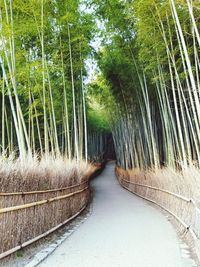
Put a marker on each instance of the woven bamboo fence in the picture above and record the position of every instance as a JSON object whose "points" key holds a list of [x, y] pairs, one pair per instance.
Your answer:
{"points": [[185, 210], [26, 217]]}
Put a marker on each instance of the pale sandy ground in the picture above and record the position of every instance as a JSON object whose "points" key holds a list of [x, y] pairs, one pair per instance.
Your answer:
{"points": [[123, 230]]}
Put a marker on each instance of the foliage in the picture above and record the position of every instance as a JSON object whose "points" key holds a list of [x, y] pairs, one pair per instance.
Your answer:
{"points": [[150, 58]]}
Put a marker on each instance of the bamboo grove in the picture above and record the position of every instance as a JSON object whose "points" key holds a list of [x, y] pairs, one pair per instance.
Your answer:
{"points": [[43, 46], [147, 87], [150, 65]]}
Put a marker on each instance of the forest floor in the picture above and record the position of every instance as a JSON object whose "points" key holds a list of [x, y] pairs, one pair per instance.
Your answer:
{"points": [[122, 230]]}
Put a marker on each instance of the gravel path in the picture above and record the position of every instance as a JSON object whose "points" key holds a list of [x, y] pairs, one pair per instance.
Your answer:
{"points": [[123, 230]]}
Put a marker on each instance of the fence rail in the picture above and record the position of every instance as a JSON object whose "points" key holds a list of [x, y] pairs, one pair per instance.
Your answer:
{"points": [[34, 204], [160, 189], [21, 225], [193, 227], [31, 241], [41, 191]]}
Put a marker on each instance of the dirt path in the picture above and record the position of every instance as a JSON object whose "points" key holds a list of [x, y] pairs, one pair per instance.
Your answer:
{"points": [[123, 230]]}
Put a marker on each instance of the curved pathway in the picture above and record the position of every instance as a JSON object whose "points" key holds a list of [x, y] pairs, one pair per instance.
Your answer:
{"points": [[123, 230]]}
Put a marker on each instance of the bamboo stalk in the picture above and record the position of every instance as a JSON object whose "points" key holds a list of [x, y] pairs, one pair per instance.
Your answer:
{"points": [[73, 98]]}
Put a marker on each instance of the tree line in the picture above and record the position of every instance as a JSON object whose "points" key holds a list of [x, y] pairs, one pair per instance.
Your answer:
{"points": [[43, 48], [150, 65]]}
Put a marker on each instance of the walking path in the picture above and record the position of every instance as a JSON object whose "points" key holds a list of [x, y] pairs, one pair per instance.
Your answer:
{"points": [[123, 230]]}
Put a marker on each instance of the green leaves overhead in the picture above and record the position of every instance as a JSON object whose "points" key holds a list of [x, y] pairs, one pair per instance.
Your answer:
{"points": [[43, 53], [150, 59]]}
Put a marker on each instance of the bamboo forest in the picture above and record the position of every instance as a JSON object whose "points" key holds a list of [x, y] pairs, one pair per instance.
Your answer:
{"points": [[106, 88]]}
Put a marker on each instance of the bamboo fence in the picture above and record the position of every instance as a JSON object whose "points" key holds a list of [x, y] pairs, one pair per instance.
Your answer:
{"points": [[25, 217], [185, 210]]}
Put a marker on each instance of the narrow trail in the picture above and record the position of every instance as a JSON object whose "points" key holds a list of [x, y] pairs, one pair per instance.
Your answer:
{"points": [[123, 230]]}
